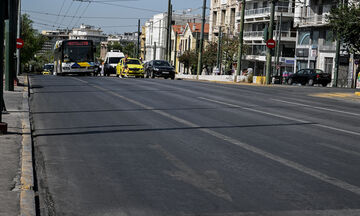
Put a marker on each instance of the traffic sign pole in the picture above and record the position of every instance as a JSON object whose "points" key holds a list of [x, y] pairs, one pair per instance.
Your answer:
{"points": [[3, 10], [10, 33], [19, 43], [268, 50]]}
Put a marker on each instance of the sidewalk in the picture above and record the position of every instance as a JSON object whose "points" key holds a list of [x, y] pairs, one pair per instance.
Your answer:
{"points": [[11, 150]]}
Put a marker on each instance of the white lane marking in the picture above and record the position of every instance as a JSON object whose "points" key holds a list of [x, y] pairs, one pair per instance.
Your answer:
{"points": [[316, 174], [317, 107], [338, 129], [254, 110], [340, 212], [281, 116], [339, 149]]}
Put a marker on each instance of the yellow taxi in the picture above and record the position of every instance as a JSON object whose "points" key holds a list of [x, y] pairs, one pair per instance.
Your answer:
{"points": [[130, 67]]}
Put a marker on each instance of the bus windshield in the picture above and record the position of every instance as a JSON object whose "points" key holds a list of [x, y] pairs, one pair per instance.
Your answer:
{"points": [[78, 54]]}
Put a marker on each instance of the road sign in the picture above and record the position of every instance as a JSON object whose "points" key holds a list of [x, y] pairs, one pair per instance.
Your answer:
{"points": [[19, 43], [271, 44]]}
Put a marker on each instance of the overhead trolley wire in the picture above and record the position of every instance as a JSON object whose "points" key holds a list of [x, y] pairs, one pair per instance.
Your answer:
{"points": [[85, 17], [87, 6], [66, 12], [57, 17], [77, 10], [124, 6]]}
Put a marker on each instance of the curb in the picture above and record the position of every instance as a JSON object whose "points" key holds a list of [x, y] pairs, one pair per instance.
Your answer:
{"points": [[238, 83], [27, 194], [357, 93]]}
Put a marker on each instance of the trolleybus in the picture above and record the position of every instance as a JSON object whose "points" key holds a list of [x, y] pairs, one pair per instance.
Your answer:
{"points": [[74, 57]]}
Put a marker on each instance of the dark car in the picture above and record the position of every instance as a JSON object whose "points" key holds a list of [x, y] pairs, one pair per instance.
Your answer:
{"points": [[159, 68], [310, 77]]}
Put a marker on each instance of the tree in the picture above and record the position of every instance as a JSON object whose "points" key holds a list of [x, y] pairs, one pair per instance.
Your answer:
{"points": [[33, 40], [127, 47], [189, 59], [344, 21], [230, 50], [210, 56]]}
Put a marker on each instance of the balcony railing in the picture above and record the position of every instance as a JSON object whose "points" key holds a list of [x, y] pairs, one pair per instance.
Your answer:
{"points": [[266, 10], [314, 20], [284, 34]]}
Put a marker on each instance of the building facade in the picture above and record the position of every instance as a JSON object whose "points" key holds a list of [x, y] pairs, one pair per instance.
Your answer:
{"points": [[187, 38], [257, 19], [226, 14], [53, 36], [316, 43], [223, 13], [156, 32], [87, 32]]}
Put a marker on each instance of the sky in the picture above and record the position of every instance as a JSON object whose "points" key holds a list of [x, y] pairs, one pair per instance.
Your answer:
{"points": [[112, 16]]}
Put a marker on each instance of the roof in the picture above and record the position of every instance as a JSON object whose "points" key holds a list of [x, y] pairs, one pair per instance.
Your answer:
{"points": [[196, 27], [178, 28]]}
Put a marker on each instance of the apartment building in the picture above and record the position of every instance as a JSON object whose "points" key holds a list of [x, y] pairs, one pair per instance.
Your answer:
{"points": [[227, 15], [156, 31], [223, 14], [53, 36], [87, 32], [257, 18], [316, 44]]}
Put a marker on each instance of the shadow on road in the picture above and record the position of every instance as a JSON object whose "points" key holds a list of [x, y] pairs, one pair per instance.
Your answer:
{"points": [[164, 129]]}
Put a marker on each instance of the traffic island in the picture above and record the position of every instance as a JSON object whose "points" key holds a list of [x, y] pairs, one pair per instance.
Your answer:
{"points": [[3, 128]]}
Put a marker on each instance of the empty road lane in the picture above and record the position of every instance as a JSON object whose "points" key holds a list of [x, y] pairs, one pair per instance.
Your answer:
{"points": [[156, 147]]}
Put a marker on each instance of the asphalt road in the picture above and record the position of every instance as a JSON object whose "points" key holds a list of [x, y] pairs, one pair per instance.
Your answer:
{"points": [[155, 147]]}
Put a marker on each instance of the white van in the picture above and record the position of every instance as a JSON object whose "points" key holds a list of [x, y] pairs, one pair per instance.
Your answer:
{"points": [[112, 58]]}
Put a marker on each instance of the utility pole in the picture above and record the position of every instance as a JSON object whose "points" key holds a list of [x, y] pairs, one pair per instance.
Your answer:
{"points": [[337, 58], [18, 35], [175, 50], [268, 50], [278, 48], [3, 11], [241, 33], [218, 61], [154, 50], [10, 34], [201, 47], [138, 41], [168, 30]]}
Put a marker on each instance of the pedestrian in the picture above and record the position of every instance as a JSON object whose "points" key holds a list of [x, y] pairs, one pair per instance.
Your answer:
{"points": [[126, 69]]}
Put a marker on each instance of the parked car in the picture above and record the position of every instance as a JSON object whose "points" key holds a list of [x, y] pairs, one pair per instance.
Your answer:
{"points": [[285, 76], [130, 67], [310, 77], [159, 68]]}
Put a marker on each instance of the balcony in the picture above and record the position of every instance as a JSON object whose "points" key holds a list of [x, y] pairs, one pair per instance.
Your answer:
{"points": [[314, 20], [258, 35], [265, 12]]}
